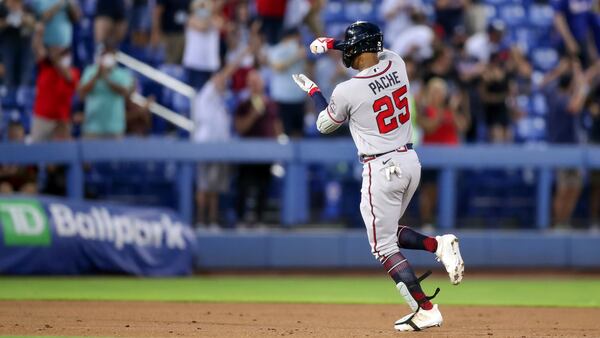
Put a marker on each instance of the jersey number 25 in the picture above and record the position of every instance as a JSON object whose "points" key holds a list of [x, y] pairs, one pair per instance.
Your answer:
{"points": [[384, 108]]}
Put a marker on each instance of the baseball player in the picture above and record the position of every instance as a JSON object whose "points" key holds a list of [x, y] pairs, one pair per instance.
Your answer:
{"points": [[374, 103]]}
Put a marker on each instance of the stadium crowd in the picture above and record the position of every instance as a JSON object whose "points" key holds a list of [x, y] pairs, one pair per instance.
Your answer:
{"points": [[472, 80]]}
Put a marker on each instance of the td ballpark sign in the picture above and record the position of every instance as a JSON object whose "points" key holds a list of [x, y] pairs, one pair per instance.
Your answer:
{"points": [[25, 222]]}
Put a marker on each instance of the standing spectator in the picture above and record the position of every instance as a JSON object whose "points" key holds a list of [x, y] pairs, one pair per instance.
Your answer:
{"points": [[416, 40], [58, 17], [397, 16], [287, 58], [16, 27], [483, 44], [110, 22], [255, 117], [55, 87], [442, 123], [15, 178], [565, 103], [168, 24], [104, 88], [202, 41], [271, 14], [573, 20], [213, 124], [495, 91], [449, 15]]}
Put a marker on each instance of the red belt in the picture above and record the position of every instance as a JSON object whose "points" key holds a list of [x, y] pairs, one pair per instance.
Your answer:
{"points": [[404, 148]]}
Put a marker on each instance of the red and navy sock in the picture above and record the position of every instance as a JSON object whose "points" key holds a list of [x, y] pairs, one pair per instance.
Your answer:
{"points": [[399, 269], [410, 239]]}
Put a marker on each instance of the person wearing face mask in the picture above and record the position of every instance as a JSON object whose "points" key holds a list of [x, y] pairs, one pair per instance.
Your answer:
{"points": [[202, 39], [104, 88], [55, 86]]}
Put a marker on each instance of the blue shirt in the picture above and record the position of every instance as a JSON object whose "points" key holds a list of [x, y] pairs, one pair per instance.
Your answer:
{"points": [[58, 31], [578, 14], [104, 108], [282, 86]]}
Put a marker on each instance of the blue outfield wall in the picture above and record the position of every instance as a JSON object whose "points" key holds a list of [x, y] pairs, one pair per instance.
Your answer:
{"points": [[350, 249]]}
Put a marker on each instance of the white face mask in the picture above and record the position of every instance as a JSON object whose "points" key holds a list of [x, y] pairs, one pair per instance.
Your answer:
{"points": [[108, 61], [66, 61]]}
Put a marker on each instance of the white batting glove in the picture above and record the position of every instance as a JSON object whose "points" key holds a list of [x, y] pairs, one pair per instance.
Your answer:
{"points": [[305, 83], [392, 169], [321, 45]]}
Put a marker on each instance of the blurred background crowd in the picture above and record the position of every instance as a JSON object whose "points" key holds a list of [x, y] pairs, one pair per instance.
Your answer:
{"points": [[487, 71]]}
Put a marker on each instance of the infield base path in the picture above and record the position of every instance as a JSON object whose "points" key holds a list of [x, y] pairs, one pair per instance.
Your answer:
{"points": [[171, 319]]}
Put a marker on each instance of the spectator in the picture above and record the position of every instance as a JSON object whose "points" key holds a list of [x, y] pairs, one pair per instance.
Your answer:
{"points": [[213, 124], [329, 71], [16, 27], [168, 24], [397, 16], [271, 14], [573, 20], [449, 15], [55, 87], [255, 117], [202, 41], [15, 178], [482, 45], [287, 58], [442, 123], [105, 88], [565, 103], [58, 17], [110, 22], [416, 40], [495, 91]]}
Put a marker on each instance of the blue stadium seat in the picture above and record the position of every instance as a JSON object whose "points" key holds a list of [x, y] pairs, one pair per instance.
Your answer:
{"points": [[512, 14], [544, 58], [541, 15]]}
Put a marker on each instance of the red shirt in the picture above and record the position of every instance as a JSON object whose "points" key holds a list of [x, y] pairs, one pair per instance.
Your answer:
{"points": [[271, 8], [53, 92], [445, 133]]}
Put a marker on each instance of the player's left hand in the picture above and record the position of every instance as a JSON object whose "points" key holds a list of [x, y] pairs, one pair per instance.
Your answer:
{"points": [[305, 83]]}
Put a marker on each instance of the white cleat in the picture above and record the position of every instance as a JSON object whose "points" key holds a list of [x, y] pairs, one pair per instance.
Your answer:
{"points": [[420, 320], [449, 254]]}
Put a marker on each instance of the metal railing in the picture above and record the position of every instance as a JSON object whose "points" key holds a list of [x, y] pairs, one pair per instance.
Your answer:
{"points": [[296, 156], [165, 80]]}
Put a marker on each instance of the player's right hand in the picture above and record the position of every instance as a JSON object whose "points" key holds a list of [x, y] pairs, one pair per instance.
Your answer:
{"points": [[321, 45]]}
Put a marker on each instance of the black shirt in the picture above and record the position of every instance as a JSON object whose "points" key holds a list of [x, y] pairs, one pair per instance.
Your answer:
{"points": [[175, 15]]}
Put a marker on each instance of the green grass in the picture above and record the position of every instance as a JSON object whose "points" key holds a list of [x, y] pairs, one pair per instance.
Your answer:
{"points": [[342, 290]]}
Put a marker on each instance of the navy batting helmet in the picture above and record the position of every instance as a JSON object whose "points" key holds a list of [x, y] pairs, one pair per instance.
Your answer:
{"points": [[361, 37]]}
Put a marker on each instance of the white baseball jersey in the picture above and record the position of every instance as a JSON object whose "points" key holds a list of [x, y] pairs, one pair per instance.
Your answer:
{"points": [[376, 107], [375, 104]]}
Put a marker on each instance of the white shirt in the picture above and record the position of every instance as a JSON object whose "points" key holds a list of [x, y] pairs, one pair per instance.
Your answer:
{"points": [[415, 38], [401, 20], [202, 50], [210, 115], [479, 46]]}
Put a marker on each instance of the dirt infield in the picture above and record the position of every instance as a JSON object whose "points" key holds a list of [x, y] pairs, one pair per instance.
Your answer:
{"points": [[170, 319]]}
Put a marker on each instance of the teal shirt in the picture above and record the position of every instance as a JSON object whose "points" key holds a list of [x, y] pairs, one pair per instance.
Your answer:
{"points": [[58, 31], [104, 108]]}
